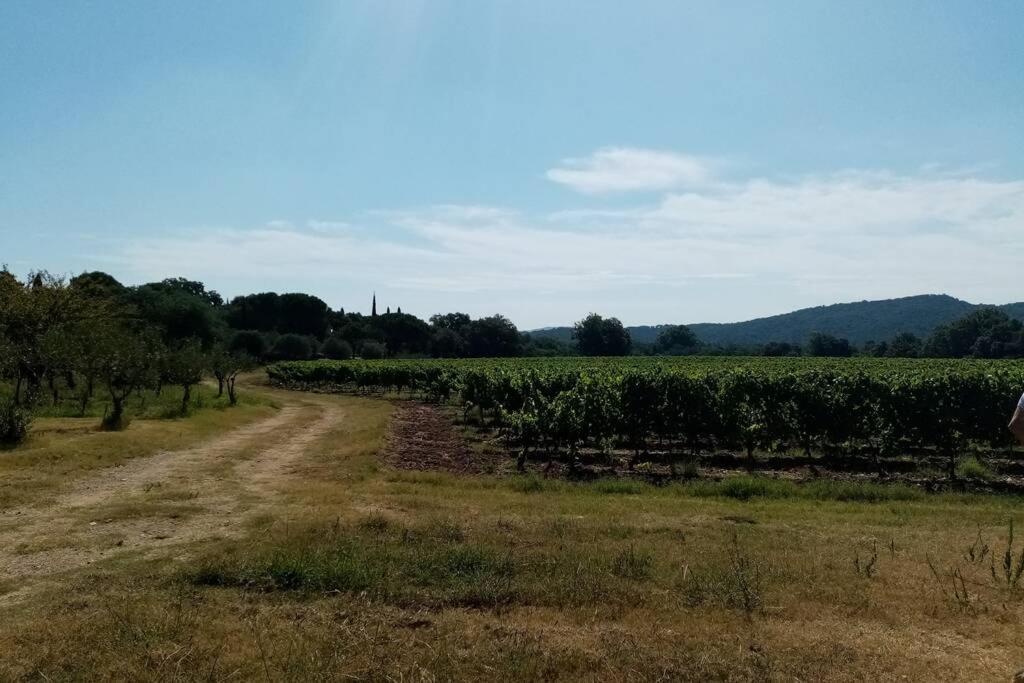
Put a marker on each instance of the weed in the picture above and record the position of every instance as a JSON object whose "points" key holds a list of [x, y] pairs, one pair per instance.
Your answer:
{"points": [[866, 567], [1010, 570], [633, 564], [978, 550], [376, 523], [956, 593], [973, 468]]}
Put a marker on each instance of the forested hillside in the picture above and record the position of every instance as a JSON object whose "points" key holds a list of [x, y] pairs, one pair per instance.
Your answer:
{"points": [[858, 322]]}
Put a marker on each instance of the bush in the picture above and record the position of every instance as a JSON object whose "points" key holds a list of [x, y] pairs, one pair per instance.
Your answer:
{"points": [[336, 349], [249, 342], [14, 423], [972, 468], [372, 350], [292, 347]]}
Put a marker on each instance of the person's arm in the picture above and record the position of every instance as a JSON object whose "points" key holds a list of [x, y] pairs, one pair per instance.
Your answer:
{"points": [[1017, 423]]}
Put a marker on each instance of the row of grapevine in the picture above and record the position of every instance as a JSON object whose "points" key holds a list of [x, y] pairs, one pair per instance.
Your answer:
{"points": [[679, 408]]}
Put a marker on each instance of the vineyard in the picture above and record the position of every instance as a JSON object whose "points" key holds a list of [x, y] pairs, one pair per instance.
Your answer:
{"points": [[671, 411]]}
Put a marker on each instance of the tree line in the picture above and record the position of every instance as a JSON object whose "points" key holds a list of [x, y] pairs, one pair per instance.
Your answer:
{"points": [[69, 340]]}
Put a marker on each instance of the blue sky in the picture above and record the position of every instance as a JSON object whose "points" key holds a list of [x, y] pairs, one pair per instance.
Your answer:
{"points": [[657, 161]]}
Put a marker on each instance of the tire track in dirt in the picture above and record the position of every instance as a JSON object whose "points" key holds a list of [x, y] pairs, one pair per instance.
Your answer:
{"points": [[233, 476]]}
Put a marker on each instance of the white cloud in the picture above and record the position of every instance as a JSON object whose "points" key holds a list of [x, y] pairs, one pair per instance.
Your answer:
{"points": [[624, 169], [727, 251]]}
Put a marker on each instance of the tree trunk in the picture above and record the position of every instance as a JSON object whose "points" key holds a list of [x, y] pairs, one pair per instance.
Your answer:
{"points": [[185, 396]]}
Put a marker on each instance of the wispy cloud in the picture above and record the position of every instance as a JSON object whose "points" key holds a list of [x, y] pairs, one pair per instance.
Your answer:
{"points": [[727, 250], [624, 169]]}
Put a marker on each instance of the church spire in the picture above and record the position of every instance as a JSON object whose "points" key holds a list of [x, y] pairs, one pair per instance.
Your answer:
{"points": [[373, 311]]}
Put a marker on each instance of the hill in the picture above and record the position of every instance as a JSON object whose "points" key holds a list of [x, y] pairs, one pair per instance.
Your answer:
{"points": [[859, 322]]}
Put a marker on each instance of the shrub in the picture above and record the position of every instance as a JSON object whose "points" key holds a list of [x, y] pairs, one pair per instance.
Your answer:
{"points": [[336, 349], [372, 350], [292, 347], [249, 342], [14, 423], [972, 468]]}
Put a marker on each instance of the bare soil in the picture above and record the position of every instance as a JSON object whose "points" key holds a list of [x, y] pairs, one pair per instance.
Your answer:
{"points": [[423, 437]]}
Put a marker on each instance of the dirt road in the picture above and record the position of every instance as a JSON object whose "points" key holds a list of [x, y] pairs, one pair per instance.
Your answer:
{"points": [[161, 504]]}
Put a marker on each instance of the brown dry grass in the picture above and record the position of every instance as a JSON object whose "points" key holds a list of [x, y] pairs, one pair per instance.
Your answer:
{"points": [[347, 569]]}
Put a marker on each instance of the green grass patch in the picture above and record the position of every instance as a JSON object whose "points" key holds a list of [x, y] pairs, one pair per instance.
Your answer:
{"points": [[434, 565], [973, 468]]}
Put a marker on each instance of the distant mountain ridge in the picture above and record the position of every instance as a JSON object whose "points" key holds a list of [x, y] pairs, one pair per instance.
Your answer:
{"points": [[859, 322]]}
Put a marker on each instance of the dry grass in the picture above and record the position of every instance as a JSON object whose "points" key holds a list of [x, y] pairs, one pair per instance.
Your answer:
{"points": [[361, 572], [62, 449]]}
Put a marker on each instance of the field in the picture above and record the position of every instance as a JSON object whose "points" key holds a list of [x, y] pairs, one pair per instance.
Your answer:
{"points": [[289, 539], [868, 415]]}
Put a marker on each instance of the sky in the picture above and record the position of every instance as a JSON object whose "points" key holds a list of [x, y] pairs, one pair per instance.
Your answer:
{"points": [[658, 161]]}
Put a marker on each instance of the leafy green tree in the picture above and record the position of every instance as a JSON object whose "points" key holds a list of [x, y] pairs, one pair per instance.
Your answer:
{"points": [[98, 285], [597, 336], [493, 337], [293, 313], [249, 342], [404, 333], [821, 344], [676, 340], [447, 343], [373, 350], [179, 312], [336, 348], [303, 314], [292, 347], [985, 333], [129, 361], [904, 345], [184, 366], [778, 349], [457, 322]]}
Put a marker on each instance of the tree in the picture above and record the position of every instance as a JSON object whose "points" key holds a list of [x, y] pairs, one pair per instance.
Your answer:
{"points": [[447, 343], [36, 318], [178, 311], [675, 340], [780, 349], [373, 350], [597, 336], [99, 285], [903, 345], [984, 333], [294, 313], [254, 312], [128, 362], [403, 333], [292, 347], [336, 349], [184, 366], [457, 322], [249, 342], [233, 364], [821, 344], [303, 314], [493, 337], [192, 288]]}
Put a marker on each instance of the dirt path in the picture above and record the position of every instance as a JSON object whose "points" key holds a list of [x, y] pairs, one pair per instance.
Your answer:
{"points": [[211, 491]]}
